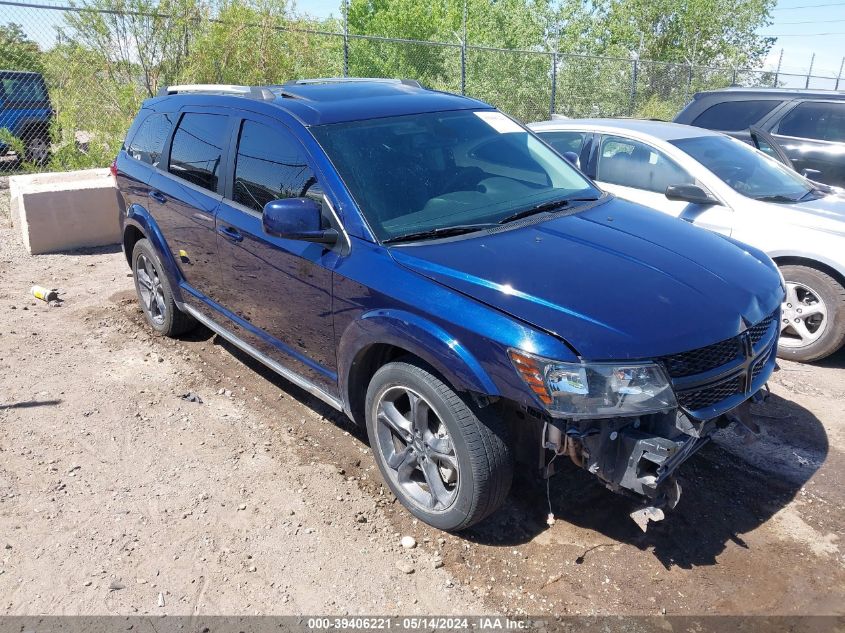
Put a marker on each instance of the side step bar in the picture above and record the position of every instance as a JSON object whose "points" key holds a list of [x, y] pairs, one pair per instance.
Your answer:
{"points": [[284, 372]]}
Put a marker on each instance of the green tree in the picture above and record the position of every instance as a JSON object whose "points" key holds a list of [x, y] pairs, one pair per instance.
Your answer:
{"points": [[17, 51]]}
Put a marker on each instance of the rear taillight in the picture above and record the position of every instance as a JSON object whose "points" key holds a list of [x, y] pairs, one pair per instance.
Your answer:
{"points": [[113, 168]]}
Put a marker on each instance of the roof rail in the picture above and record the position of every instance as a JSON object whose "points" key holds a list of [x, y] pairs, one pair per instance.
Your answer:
{"points": [[251, 92], [340, 80]]}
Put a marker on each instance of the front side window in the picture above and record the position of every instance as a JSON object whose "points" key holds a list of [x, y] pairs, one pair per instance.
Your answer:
{"points": [[197, 149], [441, 170], [27, 88], [270, 165], [148, 142], [745, 169], [733, 116], [629, 163], [816, 120]]}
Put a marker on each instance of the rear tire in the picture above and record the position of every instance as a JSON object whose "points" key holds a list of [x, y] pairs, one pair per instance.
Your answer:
{"points": [[447, 461], [813, 319], [155, 294]]}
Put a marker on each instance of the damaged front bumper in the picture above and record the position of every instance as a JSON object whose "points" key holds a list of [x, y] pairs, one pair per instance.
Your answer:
{"points": [[639, 455]]}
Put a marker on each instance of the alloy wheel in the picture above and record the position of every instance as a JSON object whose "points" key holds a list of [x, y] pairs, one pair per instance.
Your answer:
{"points": [[417, 449], [150, 289], [804, 316]]}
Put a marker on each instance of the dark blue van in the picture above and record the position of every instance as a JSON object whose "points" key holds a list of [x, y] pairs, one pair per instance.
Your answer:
{"points": [[427, 265]]}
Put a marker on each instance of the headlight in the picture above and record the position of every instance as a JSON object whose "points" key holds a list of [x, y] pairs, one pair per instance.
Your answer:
{"points": [[595, 390]]}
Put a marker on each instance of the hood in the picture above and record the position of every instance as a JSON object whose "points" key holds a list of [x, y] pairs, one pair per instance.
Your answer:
{"points": [[825, 214], [617, 281]]}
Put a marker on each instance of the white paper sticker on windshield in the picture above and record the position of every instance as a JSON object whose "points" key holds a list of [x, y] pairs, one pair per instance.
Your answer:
{"points": [[498, 122]]}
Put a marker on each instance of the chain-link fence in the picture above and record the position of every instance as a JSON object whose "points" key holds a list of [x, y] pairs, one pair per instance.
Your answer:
{"points": [[72, 76]]}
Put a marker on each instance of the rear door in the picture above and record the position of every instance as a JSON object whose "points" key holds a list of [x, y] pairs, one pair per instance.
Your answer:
{"points": [[812, 133], [186, 191], [279, 291]]}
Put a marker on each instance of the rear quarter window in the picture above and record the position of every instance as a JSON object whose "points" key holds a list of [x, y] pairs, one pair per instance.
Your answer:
{"points": [[733, 116], [148, 142], [564, 141]]}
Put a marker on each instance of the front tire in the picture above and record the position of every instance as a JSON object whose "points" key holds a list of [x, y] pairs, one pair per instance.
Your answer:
{"points": [[37, 150], [447, 461], [155, 294], [813, 315]]}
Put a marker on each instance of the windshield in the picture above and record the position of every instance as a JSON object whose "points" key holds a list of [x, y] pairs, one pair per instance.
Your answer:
{"points": [[433, 171], [746, 170]]}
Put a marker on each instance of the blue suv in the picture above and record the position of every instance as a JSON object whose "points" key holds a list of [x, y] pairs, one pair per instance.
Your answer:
{"points": [[427, 265], [26, 113]]}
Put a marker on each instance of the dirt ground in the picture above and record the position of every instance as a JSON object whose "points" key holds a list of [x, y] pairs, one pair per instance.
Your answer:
{"points": [[119, 496]]}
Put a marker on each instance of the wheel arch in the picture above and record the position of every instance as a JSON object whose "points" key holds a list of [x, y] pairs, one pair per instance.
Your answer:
{"points": [[809, 262], [380, 337], [139, 224]]}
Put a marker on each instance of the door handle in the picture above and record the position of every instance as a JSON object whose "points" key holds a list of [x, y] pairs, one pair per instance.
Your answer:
{"points": [[230, 233], [157, 196]]}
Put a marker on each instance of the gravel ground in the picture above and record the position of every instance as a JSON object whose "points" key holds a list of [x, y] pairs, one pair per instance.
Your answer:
{"points": [[118, 496]]}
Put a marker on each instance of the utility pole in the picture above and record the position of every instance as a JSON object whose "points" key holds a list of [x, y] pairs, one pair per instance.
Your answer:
{"points": [[839, 76], [345, 38], [464, 50], [777, 72], [810, 72]]}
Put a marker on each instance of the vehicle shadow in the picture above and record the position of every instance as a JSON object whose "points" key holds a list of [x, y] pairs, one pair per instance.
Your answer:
{"points": [[834, 361], [728, 490], [29, 404]]}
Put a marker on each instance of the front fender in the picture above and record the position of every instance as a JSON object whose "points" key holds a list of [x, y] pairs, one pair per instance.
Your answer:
{"points": [[138, 217], [418, 336]]}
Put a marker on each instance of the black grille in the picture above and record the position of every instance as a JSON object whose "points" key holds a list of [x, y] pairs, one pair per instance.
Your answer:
{"points": [[757, 332], [760, 364], [712, 394], [702, 359]]}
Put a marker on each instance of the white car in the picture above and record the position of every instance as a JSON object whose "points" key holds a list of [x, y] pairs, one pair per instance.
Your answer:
{"points": [[725, 185]]}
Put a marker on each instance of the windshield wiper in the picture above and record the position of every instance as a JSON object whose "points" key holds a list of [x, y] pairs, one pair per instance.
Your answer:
{"points": [[776, 198], [544, 207], [441, 231]]}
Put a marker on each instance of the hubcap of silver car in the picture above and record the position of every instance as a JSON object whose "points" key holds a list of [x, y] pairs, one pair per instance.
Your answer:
{"points": [[804, 316], [417, 449], [150, 289]]}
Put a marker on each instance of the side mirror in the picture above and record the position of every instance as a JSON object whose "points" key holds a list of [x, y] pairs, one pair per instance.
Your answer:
{"points": [[690, 193], [296, 219], [572, 158]]}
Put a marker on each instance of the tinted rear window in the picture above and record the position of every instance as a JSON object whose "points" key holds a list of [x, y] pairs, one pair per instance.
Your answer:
{"points": [[198, 149], [816, 120], [148, 143], [733, 116]]}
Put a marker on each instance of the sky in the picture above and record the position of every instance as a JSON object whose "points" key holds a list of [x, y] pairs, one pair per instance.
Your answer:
{"points": [[804, 27]]}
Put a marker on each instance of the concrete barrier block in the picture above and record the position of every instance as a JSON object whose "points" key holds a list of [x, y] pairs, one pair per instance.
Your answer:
{"points": [[66, 210]]}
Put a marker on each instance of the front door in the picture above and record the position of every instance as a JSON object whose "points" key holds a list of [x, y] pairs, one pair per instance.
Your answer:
{"points": [[638, 172], [813, 135], [278, 291]]}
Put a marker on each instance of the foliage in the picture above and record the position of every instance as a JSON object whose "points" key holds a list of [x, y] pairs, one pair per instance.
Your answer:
{"points": [[110, 55], [17, 51]]}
